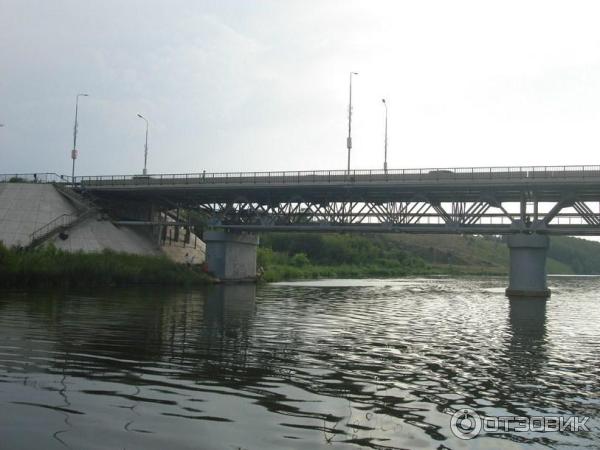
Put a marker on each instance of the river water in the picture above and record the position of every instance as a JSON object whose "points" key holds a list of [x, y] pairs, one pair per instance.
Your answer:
{"points": [[328, 364]]}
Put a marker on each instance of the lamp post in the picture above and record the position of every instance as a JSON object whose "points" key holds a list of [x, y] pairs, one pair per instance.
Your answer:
{"points": [[74, 151], [349, 140], [144, 172], [385, 141]]}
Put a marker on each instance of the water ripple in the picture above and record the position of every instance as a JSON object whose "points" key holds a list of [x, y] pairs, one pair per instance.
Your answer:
{"points": [[360, 363]]}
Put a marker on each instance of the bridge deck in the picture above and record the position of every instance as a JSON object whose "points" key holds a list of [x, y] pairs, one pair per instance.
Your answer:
{"points": [[456, 184]]}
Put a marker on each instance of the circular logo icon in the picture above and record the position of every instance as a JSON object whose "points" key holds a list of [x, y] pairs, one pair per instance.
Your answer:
{"points": [[465, 424]]}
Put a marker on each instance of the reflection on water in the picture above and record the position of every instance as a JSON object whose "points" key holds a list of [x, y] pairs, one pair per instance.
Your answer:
{"points": [[369, 363], [526, 349]]}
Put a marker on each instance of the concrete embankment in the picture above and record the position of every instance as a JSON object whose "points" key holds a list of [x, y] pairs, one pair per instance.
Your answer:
{"points": [[27, 207], [94, 235]]}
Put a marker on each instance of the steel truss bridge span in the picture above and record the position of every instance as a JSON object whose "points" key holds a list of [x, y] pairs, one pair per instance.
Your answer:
{"points": [[493, 200]]}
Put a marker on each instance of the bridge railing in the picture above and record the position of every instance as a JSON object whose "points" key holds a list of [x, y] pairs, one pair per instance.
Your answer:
{"points": [[44, 177], [64, 220], [343, 176]]}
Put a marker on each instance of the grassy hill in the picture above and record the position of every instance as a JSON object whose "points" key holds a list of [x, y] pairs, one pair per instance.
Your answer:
{"points": [[311, 255]]}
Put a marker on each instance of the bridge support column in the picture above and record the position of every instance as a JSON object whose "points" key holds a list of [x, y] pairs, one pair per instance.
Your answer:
{"points": [[528, 265], [231, 256]]}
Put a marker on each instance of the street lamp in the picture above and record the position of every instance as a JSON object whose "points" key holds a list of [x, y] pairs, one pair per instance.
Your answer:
{"points": [[385, 141], [349, 140], [146, 145], [74, 151]]}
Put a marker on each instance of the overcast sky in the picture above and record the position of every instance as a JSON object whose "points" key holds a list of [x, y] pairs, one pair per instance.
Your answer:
{"points": [[243, 85]]}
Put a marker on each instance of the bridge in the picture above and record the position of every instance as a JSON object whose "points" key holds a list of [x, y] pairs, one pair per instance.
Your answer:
{"points": [[548, 200], [523, 204]]}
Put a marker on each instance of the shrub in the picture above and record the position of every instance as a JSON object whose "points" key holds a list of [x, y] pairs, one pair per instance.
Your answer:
{"points": [[300, 260]]}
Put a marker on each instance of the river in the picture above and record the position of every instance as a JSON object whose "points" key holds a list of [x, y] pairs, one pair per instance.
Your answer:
{"points": [[304, 365]]}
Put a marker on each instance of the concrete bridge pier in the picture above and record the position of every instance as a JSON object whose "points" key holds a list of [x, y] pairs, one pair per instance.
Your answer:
{"points": [[231, 256], [528, 265]]}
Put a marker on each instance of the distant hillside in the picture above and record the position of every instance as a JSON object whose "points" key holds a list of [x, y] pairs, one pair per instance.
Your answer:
{"points": [[581, 255], [436, 253], [567, 255]]}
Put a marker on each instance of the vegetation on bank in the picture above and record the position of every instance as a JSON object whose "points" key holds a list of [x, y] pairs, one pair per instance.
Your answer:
{"points": [[277, 267], [48, 266], [286, 256]]}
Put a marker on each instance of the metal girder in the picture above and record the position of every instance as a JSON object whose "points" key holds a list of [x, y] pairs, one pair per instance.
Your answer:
{"points": [[564, 203], [586, 212], [486, 215]]}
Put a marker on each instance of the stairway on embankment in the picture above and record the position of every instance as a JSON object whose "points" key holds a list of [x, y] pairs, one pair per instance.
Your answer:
{"points": [[35, 213]]}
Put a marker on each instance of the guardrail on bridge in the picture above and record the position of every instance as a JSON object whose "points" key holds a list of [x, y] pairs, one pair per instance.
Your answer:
{"points": [[43, 177], [337, 176]]}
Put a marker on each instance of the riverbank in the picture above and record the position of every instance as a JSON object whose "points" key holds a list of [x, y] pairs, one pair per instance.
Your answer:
{"points": [[296, 256], [291, 273], [49, 266], [280, 266]]}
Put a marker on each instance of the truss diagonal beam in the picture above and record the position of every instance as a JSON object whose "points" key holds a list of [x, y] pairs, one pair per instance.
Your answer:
{"points": [[556, 209]]}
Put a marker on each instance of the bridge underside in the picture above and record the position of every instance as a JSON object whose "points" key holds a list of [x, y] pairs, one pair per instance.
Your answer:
{"points": [[484, 216], [568, 216], [571, 215]]}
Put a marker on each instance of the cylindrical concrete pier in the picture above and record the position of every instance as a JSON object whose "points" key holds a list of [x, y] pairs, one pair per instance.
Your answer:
{"points": [[528, 265]]}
